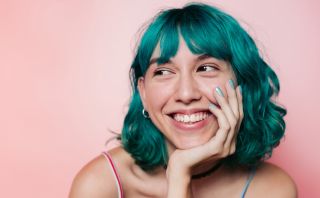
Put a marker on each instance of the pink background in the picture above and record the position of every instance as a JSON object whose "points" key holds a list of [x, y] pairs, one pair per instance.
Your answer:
{"points": [[64, 83]]}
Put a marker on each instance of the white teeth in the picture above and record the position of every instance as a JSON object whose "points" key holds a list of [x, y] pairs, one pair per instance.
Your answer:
{"points": [[196, 117], [192, 118], [186, 118]]}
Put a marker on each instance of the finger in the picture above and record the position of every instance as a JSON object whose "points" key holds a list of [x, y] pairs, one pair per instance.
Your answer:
{"points": [[223, 123], [234, 104], [232, 97], [240, 105], [240, 108], [226, 108]]}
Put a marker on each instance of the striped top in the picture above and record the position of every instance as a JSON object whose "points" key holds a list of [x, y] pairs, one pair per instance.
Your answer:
{"points": [[120, 189]]}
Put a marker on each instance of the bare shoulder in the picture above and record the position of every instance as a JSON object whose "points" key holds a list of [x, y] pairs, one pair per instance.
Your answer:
{"points": [[271, 181], [95, 179]]}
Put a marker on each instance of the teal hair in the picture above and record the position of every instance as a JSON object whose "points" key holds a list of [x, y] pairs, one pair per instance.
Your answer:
{"points": [[207, 30]]}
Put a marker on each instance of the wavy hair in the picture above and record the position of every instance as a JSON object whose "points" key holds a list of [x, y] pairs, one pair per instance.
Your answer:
{"points": [[207, 30]]}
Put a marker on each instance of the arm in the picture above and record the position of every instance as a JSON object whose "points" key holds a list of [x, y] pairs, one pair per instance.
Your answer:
{"points": [[178, 183]]}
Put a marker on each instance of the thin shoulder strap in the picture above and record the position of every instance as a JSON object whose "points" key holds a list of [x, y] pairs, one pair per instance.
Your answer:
{"points": [[251, 175], [115, 174]]}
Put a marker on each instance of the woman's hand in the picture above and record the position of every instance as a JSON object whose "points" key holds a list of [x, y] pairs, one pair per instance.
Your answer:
{"points": [[223, 144]]}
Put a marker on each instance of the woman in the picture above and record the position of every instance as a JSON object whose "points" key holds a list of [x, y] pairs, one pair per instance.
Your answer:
{"points": [[201, 119]]}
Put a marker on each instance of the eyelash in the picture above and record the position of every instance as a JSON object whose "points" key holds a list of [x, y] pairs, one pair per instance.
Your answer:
{"points": [[160, 72], [213, 68]]}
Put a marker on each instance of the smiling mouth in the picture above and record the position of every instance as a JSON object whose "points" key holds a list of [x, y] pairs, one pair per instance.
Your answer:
{"points": [[190, 118]]}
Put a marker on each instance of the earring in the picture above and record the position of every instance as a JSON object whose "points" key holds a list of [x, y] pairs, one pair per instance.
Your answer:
{"points": [[145, 113]]}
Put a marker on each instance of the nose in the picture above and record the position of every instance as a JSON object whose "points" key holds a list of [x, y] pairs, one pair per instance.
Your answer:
{"points": [[187, 89]]}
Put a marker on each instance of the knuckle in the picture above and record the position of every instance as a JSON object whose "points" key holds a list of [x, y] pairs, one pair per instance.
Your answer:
{"points": [[226, 127], [225, 154], [241, 114], [237, 115], [220, 149], [216, 149], [232, 150], [233, 122]]}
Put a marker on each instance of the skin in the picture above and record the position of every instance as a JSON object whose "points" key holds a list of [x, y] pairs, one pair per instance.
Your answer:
{"points": [[184, 84]]}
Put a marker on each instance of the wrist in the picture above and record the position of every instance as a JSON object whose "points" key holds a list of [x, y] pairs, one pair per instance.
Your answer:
{"points": [[179, 185], [178, 177], [176, 170]]}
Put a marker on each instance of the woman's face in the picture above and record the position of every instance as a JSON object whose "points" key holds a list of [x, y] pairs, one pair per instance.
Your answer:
{"points": [[177, 94]]}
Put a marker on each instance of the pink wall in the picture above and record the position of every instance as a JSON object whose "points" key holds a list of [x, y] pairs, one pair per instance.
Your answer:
{"points": [[63, 84]]}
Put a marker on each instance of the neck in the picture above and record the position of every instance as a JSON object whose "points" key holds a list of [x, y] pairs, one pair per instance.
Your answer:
{"points": [[206, 169]]}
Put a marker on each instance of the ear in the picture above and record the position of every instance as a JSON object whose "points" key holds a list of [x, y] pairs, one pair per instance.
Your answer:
{"points": [[142, 93]]}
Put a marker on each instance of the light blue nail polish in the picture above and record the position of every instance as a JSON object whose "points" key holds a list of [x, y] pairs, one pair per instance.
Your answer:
{"points": [[231, 83], [212, 106], [218, 90], [240, 89]]}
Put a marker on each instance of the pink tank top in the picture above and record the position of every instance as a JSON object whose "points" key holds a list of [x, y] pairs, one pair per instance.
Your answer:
{"points": [[120, 189], [115, 174]]}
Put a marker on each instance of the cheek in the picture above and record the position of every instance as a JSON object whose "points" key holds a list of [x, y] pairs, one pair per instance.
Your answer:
{"points": [[157, 96], [207, 86]]}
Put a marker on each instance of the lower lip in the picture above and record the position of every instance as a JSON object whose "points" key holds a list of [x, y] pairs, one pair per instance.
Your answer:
{"points": [[191, 127]]}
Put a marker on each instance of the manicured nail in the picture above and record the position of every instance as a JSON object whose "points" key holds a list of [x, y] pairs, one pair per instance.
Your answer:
{"points": [[218, 90], [231, 84], [240, 89], [212, 106]]}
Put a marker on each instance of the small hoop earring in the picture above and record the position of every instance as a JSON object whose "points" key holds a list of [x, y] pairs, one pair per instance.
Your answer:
{"points": [[145, 113]]}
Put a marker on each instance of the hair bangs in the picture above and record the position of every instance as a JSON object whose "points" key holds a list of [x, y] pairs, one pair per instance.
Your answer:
{"points": [[169, 39], [203, 34], [163, 31]]}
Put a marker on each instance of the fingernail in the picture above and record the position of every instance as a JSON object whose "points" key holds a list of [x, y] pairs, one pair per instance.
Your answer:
{"points": [[212, 106], [231, 83], [218, 90], [240, 89]]}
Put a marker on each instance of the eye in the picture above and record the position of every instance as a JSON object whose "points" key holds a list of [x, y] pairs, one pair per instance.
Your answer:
{"points": [[206, 68], [162, 72]]}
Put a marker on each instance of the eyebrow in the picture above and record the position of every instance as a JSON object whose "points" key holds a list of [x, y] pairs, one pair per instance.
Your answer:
{"points": [[154, 60], [199, 58]]}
